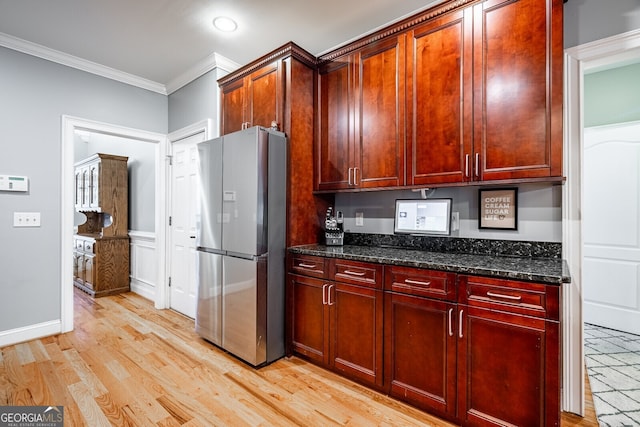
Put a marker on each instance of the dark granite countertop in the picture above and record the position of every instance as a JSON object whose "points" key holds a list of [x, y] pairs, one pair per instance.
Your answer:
{"points": [[544, 270]]}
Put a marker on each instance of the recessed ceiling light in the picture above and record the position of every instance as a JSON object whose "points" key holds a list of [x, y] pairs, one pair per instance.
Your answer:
{"points": [[225, 24]]}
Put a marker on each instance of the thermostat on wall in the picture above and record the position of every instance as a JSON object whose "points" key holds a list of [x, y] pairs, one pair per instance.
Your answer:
{"points": [[14, 183]]}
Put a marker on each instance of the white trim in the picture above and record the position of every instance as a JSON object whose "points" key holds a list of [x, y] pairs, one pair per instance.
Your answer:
{"points": [[163, 293], [142, 241], [69, 125], [578, 60], [62, 58], [205, 126], [209, 63], [28, 333]]}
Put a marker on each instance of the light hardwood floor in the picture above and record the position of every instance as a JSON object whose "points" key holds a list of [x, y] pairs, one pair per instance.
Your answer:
{"points": [[129, 364]]}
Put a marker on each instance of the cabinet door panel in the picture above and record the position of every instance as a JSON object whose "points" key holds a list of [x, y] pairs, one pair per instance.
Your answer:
{"points": [[232, 107], [309, 317], [89, 271], [356, 328], [513, 90], [420, 351], [502, 369], [380, 140], [333, 160], [440, 107], [264, 100]]}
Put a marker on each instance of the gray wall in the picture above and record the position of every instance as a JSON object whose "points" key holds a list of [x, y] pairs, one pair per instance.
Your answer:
{"points": [[589, 20], [612, 96], [142, 173], [539, 212], [196, 101], [35, 94]]}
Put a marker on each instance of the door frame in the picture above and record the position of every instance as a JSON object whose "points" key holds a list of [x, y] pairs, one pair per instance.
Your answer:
{"points": [[68, 127], [578, 60], [163, 293]]}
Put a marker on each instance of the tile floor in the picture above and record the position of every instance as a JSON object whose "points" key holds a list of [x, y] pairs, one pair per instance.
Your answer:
{"points": [[613, 363]]}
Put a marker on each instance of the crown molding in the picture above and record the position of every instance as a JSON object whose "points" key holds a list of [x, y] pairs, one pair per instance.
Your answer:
{"points": [[209, 63], [395, 27], [52, 55], [288, 49]]}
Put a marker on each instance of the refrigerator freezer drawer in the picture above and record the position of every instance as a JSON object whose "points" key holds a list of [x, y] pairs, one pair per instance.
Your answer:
{"points": [[244, 308], [209, 305]]}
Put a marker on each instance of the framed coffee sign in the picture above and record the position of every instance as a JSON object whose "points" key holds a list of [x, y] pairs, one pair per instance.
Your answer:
{"points": [[498, 208]]}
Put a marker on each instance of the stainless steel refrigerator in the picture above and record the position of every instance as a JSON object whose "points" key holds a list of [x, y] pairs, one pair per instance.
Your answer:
{"points": [[241, 243]]}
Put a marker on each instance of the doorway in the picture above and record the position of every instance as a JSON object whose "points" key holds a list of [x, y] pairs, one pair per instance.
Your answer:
{"points": [[70, 128], [183, 211], [578, 61], [611, 231]]}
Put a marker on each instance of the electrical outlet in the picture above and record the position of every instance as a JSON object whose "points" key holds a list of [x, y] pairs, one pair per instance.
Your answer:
{"points": [[455, 221], [359, 219], [26, 219]]}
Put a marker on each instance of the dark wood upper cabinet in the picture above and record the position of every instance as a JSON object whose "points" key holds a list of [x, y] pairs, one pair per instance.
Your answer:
{"points": [[280, 86], [233, 110], [254, 100], [380, 114], [483, 85], [517, 89], [360, 137], [440, 89], [334, 155]]}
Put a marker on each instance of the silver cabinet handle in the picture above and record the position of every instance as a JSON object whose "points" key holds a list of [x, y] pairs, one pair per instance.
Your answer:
{"points": [[417, 282], [349, 179], [477, 164], [450, 325], [306, 265], [460, 324], [355, 176], [509, 297], [354, 273], [324, 294], [329, 295], [466, 165]]}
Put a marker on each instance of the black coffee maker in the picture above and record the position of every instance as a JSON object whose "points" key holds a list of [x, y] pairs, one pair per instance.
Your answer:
{"points": [[334, 228]]}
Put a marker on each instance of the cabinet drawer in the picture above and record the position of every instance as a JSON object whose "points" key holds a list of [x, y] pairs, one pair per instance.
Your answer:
{"points": [[357, 273], [88, 246], [421, 282], [531, 299], [308, 265]]}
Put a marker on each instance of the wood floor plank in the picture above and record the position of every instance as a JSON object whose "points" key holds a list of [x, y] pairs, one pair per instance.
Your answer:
{"points": [[128, 364], [91, 412]]}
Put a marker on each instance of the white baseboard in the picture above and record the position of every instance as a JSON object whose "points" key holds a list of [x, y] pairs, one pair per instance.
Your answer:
{"points": [[143, 289], [31, 332]]}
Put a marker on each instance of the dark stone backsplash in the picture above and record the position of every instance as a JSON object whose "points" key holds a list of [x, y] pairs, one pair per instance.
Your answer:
{"points": [[459, 245]]}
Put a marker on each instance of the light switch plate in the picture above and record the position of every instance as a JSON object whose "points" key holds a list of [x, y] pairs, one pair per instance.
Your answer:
{"points": [[26, 219], [360, 219]]}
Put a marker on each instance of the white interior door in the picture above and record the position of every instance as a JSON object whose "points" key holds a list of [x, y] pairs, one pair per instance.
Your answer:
{"points": [[611, 226], [184, 208]]}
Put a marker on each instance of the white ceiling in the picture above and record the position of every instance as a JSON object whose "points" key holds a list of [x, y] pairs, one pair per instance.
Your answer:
{"points": [[161, 40]]}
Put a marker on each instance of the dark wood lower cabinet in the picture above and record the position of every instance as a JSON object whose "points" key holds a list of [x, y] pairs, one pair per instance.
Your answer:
{"points": [[339, 326], [309, 317], [356, 332], [477, 351], [502, 364], [420, 352]]}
